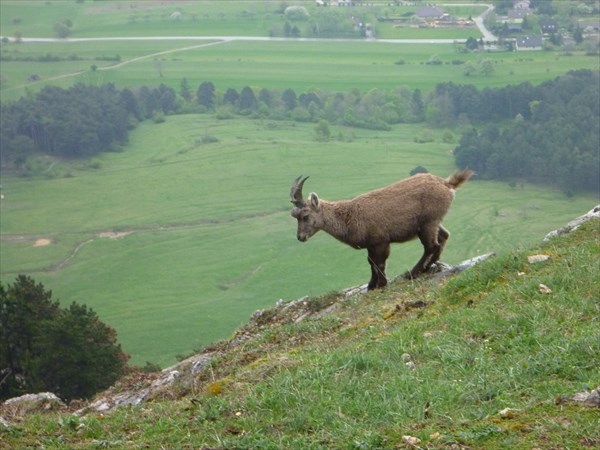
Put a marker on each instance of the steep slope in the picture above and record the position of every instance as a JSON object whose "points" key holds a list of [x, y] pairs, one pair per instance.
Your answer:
{"points": [[489, 358]]}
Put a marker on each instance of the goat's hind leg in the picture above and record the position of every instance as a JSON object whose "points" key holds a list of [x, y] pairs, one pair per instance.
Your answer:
{"points": [[442, 237], [429, 237]]}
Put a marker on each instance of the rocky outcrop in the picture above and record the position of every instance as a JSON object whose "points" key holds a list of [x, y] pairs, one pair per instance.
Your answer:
{"points": [[594, 213], [146, 387], [18, 407]]}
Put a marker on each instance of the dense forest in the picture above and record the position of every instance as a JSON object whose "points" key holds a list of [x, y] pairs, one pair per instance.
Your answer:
{"points": [[544, 133], [554, 137]]}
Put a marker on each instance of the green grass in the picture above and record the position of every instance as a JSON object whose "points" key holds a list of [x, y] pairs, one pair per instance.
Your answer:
{"points": [[332, 66], [206, 18], [486, 340], [210, 237], [298, 65]]}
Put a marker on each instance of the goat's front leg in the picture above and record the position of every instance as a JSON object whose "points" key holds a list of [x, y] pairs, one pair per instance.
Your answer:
{"points": [[378, 255]]}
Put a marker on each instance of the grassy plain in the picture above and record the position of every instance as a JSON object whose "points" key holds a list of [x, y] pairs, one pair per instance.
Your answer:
{"points": [[299, 65], [201, 18], [332, 66], [207, 234]]}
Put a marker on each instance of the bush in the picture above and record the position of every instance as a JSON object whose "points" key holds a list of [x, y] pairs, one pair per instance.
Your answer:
{"points": [[418, 169], [296, 13]]}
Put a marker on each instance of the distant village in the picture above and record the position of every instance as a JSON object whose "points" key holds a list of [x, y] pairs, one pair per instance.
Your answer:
{"points": [[515, 25]]}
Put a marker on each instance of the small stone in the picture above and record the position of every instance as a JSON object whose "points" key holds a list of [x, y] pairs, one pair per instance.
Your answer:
{"points": [[508, 413], [533, 259], [411, 440], [588, 398], [544, 289]]}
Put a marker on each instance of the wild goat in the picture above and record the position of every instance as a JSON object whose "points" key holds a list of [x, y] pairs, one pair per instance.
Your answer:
{"points": [[413, 207]]}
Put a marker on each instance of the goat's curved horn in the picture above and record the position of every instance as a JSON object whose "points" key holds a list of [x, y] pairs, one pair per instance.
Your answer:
{"points": [[296, 192]]}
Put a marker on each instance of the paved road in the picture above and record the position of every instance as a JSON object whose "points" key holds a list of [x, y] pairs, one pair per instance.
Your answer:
{"points": [[487, 35], [232, 38]]}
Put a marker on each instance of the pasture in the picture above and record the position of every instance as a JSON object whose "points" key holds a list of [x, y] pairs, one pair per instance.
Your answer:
{"points": [[31, 18], [297, 64], [175, 242], [300, 65]]}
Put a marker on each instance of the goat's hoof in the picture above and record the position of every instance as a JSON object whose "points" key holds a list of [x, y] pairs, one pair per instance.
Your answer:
{"points": [[439, 266]]}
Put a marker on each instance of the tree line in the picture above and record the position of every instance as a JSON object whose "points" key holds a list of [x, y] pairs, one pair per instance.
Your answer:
{"points": [[76, 122], [549, 133], [84, 120]]}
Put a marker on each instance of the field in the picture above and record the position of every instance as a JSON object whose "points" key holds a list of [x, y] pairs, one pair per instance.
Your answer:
{"points": [[199, 18], [276, 65], [175, 242], [300, 65]]}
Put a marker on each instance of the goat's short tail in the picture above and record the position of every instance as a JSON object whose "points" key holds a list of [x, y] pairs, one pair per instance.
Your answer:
{"points": [[459, 178]]}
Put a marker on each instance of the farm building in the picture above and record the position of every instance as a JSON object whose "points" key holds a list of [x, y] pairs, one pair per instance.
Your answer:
{"points": [[430, 13], [525, 43]]}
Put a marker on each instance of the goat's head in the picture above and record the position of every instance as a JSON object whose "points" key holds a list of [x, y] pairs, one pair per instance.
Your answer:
{"points": [[308, 213]]}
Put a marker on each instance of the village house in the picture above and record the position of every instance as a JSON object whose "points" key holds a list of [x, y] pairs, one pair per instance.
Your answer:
{"points": [[528, 43], [548, 26], [430, 13], [521, 4]]}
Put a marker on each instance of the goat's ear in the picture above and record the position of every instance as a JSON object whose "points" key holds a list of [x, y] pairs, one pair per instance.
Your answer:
{"points": [[314, 200]]}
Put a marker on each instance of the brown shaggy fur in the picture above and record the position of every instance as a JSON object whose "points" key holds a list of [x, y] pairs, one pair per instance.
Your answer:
{"points": [[411, 208]]}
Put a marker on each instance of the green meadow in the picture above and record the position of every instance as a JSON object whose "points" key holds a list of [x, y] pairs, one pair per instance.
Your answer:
{"points": [[33, 18], [300, 65], [175, 242], [333, 66]]}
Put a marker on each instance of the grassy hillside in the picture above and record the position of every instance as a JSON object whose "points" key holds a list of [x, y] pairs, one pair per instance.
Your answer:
{"points": [[483, 360], [175, 242]]}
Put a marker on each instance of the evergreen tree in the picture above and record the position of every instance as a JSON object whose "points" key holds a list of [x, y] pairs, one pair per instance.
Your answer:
{"points": [[184, 90], [231, 96], [45, 348], [206, 94], [248, 100]]}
